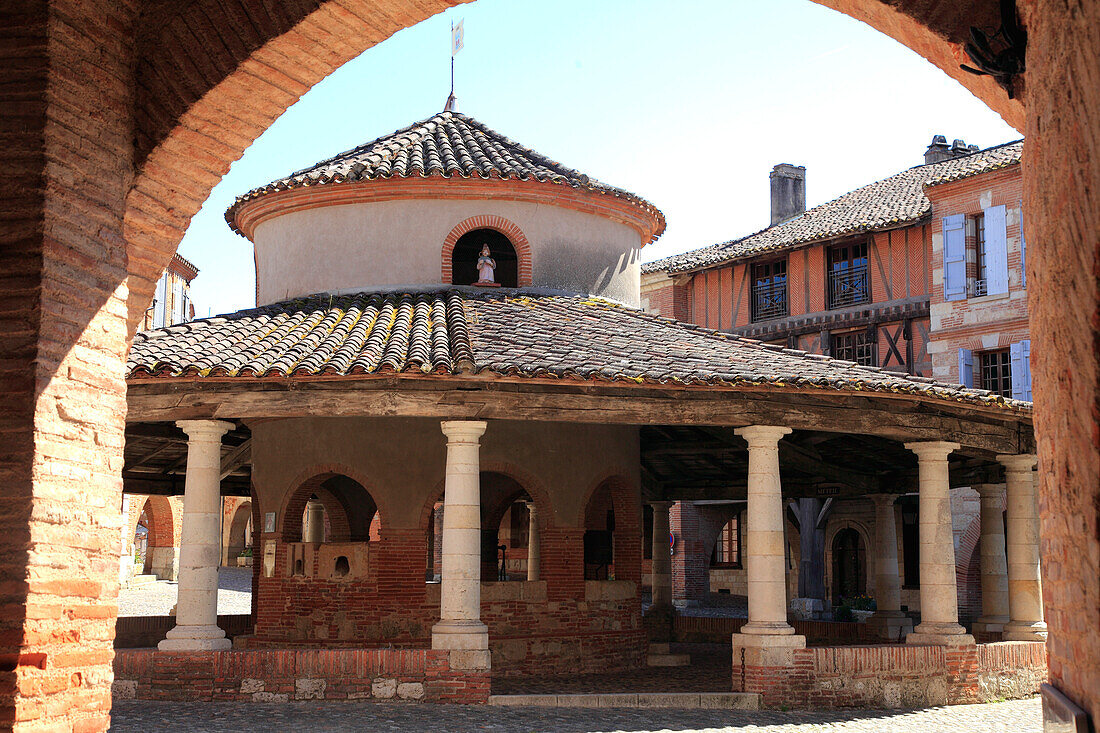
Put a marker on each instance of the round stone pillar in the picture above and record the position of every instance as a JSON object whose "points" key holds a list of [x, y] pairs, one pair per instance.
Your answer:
{"points": [[534, 552], [661, 582], [888, 619], [1025, 595], [314, 529], [939, 601], [993, 564], [200, 542], [765, 558], [460, 628]]}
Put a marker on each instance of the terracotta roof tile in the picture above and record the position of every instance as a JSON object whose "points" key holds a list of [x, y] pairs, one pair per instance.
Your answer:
{"points": [[888, 203], [449, 144], [455, 331]]}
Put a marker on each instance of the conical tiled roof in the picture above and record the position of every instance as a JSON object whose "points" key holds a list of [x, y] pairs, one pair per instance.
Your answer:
{"points": [[446, 145]]}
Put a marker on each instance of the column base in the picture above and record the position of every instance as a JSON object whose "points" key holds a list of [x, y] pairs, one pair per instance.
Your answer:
{"points": [[460, 635], [759, 628], [1016, 631], [891, 625], [761, 641], [940, 635], [195, 639], [989, 625]]}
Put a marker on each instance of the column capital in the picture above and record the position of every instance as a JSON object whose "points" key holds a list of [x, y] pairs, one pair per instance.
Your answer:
{"points": [[463, 431], [932, 450], [1018, 462], [205, 429], [881, 500], [762, 435], [666, 505]]}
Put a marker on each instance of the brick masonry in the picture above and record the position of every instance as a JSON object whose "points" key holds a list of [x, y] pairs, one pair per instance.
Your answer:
{"points": [[414, 675], [897, 676]]}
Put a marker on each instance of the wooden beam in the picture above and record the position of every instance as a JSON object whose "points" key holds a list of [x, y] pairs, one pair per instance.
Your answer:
{"points": [[236, 458], [985, 430]]}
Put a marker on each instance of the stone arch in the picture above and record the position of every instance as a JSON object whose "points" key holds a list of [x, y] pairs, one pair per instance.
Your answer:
{"points": [[497, 223], [866, 537], [350, 506], [237, 535]]}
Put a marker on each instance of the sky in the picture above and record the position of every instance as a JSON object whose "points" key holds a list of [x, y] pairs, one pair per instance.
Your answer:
{"points": [[688, 104]]}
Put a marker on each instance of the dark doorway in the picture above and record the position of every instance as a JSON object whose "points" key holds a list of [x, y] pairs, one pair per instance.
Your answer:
{"points": [[849, 565], [468, 249]]}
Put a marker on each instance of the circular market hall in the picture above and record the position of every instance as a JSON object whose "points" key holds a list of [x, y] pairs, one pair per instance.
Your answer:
{"points": [[461, 437]]}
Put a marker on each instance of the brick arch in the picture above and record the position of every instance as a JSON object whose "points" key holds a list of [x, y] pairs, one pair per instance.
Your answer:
{"points": [[497, 223], [967, 556], [163, 522], [627, 538], [340, 513], [544, 506]]}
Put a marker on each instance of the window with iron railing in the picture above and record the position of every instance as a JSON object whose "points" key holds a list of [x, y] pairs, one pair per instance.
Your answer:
{"points": [[848, 281], [981, 257], [769, 290]]}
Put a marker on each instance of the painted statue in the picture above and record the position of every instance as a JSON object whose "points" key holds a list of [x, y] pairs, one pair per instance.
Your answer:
{"points": [[486, 266]]}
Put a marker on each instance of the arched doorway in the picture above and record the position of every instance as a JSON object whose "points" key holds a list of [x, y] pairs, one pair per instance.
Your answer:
{"points": [[467, 250], [849, 565], [240, 534], [141, 543]]}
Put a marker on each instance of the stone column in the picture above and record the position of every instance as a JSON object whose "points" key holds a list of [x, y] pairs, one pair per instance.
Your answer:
{"points": [[939, 600], [534, 554], [1025, 595], [200, 542], [765, 558], [460, 628], [313, 529], [661, 582], [889, 621], [993, 564]]}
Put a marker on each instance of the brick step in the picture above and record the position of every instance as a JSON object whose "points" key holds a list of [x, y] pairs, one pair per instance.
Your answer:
{"points": [[680, 700], [668, 660]]}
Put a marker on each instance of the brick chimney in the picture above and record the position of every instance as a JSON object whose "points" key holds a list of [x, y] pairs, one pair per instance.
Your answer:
{"points": [[940, 150], [788, 186]]}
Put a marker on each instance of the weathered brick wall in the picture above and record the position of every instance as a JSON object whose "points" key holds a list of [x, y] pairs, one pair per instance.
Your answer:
{"points": [[896, 676], [419, 675], [1061, 171]]}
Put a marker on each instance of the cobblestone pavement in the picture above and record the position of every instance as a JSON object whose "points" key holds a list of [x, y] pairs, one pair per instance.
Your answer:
{"points": [[1016, 716], [157, 599], [710, 671]]}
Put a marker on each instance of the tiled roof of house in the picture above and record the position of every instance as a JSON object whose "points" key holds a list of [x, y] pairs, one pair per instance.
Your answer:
{"points": [[512, 334], [448, 144], [885, 204]]}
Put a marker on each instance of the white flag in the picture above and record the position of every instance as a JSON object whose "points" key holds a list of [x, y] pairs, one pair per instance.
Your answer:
{"points": [[456, 38]]}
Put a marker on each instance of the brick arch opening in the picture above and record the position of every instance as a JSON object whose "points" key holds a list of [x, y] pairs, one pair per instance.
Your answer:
{"points": [[160, 521], [495, 223], [240, 532], [349, 508], [612, 521]]}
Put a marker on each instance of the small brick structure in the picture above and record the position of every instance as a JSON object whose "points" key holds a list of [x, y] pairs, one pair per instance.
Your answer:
{"points": [[892, 676], [278, 675]]}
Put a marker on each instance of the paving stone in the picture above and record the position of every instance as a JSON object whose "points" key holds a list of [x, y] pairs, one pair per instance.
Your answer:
{"points": [[141, 716]]}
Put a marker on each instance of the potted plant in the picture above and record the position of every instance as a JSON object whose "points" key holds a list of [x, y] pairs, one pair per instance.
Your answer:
{"points": [[244, 558]]}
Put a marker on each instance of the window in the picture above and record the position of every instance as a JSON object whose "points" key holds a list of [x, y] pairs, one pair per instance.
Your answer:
{"points": [[848, 275], [727, 551], [996, 372], [467, 251], [981, 256], [855, 346], [769, 290]]}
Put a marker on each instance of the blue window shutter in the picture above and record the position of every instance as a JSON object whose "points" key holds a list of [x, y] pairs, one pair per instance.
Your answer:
{"points": [[1026, 346], [162, 301], [966, 367], [954, 257], [1016, 353], [1023, 251], [996, 251]]}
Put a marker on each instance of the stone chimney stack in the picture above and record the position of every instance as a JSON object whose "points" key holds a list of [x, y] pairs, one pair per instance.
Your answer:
{"points": [[940, 150], [788, 186]]}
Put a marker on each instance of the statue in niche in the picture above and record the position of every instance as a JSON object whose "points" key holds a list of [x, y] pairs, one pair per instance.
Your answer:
{"points": [[486, 268]]}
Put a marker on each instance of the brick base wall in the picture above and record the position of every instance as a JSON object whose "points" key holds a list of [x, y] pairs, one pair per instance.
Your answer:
{"points": [[420, 675], [894, 676], [718, 630]]}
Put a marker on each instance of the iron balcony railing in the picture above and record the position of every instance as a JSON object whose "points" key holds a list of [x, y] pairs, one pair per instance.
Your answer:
{"points": [[769, 300], [848, 287]]}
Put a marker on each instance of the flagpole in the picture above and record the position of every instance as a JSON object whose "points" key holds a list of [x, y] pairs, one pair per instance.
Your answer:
{"points": [[452, 57]]}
